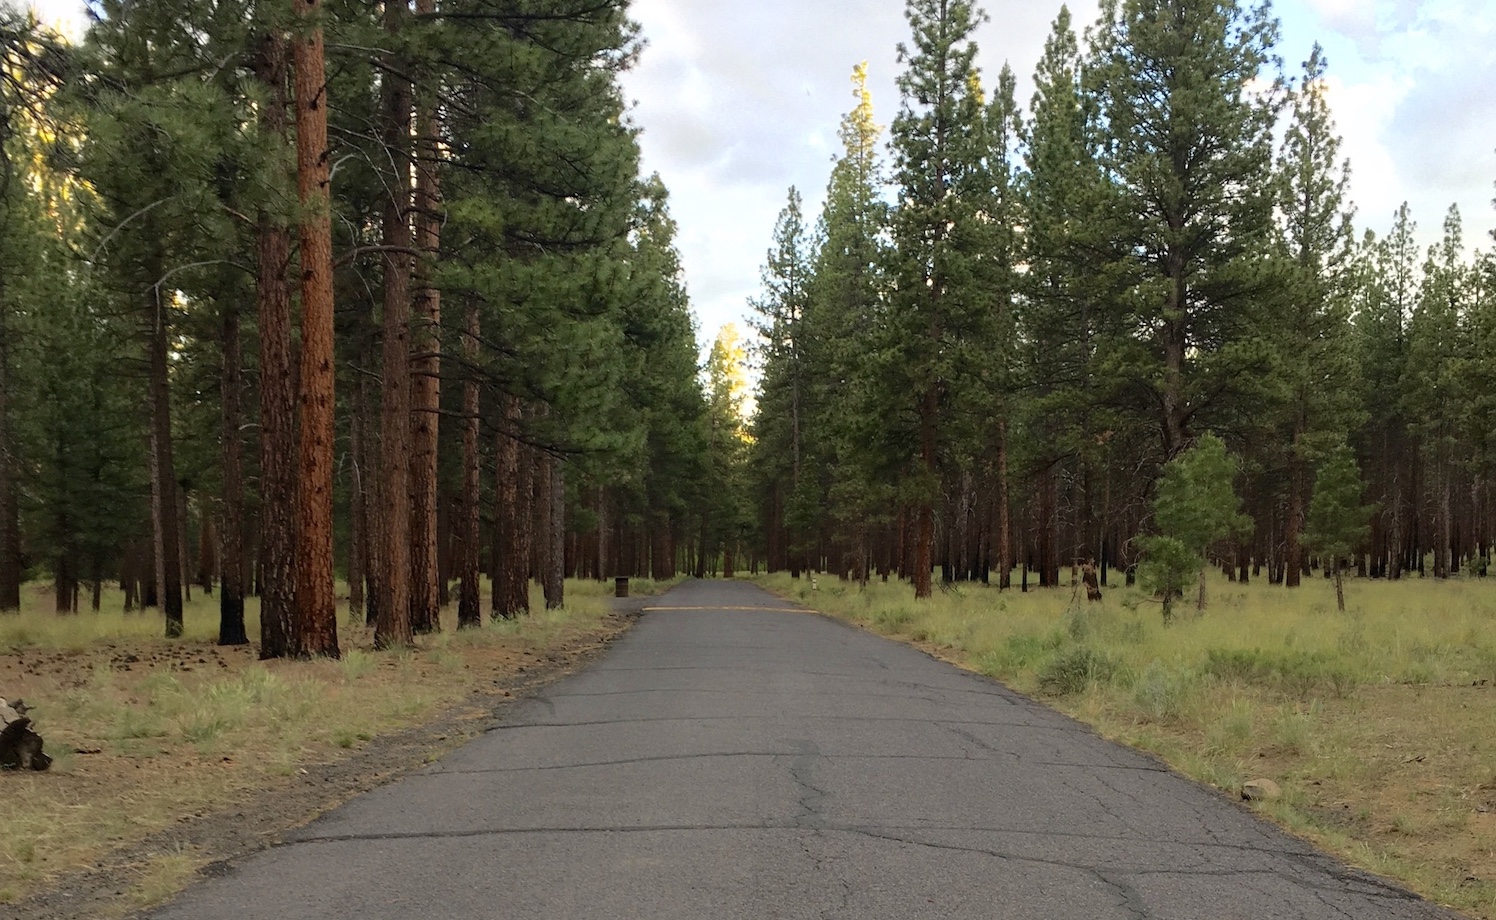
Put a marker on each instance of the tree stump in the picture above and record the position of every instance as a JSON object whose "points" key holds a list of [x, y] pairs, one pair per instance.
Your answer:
{"points": [[1091, 580], [20, 747]]}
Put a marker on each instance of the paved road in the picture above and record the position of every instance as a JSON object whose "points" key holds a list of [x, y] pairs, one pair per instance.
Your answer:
{"points": [[727, 763]]}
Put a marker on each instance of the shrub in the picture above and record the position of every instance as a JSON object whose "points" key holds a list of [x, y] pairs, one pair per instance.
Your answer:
{"points": [[892, 619], [1074, 670], [1161, 692]]}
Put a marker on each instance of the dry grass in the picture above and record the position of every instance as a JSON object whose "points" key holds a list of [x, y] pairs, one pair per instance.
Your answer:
{"points": [[1380, 724], [148, 732]]}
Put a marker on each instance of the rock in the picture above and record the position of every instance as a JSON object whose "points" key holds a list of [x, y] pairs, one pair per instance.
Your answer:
{"points": [[1258, 790]]}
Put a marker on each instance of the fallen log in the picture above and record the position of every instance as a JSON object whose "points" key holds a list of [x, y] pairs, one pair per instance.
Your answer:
{"points": [[20, 747]]}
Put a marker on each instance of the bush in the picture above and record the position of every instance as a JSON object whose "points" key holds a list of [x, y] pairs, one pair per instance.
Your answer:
{"points": [[1161, 692], [893, 619], [1074, 670]]}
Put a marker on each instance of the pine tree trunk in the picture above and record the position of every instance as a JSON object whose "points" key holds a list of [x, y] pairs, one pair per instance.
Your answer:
{"points": [[231, 629], [511, 576], [358, 503], [10, 513], [278, 441], [426, 367], [925, 537], [1293, 522], [555, 565], [163, 475], [394, 627], [182, 535], [469, 613], [316, 601]]}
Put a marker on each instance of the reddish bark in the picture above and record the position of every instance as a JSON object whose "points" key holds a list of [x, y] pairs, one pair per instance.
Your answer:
{"points": [[317, 631], [469, 509], [426, 366], [278, 444], [393, 627]]}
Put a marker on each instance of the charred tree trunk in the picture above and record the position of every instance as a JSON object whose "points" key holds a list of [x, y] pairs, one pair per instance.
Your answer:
{"points": [[278, 446], [394, 627], [317, 631], [231, 629]]}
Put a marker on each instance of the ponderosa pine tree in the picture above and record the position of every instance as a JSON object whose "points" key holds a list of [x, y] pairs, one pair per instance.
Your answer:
{"points": [[317, 628], [779, 434], [1385, 296], [394, 627], [1433, 386], [846, 294], [1318, 373], [1196, 506], [1337, 520], [1188, 138], [936, 306]]}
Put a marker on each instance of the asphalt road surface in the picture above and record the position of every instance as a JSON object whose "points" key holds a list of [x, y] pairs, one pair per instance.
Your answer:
{"points": [[733, 759]]}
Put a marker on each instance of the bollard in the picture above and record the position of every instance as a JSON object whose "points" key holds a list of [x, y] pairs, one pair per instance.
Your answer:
{"points": [[621, 586]]}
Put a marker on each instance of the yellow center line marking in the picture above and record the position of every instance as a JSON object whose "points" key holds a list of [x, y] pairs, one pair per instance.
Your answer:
{"points": [[764, 609]]}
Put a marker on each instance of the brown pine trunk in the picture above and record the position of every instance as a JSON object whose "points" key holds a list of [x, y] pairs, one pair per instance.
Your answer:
{"points": [[164, 480], [925, 538], [555, 553], [426, 366], [358, 504], [278, 443], [469, 613], [394, 627], [231, 585], [128, 582], [1004, 511], [183, 530], [1293, 522], [231, 629], [10, 513], [316, 601], [207, 555], [65, 584], [511, 574]]}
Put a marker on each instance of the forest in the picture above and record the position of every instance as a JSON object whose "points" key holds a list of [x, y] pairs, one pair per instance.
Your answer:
{"points": [[323, 300], [1136, 325]]}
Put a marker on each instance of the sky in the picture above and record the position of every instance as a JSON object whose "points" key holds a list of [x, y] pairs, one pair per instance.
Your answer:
{"points": [[739, 101]]}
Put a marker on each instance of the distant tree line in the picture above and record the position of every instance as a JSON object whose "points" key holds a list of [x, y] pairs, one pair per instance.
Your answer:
{"points": [[981, 356], [293, 290]]}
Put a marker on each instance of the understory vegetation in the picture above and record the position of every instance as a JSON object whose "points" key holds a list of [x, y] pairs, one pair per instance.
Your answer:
{"points": [[121, 708], [1379, 724]]}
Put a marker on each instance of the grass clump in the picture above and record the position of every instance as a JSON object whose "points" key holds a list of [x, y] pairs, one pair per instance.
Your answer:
{"points": [[1074, 670]]}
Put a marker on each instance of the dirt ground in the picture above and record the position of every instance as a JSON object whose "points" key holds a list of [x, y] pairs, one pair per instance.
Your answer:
{"points": [[226, 808]]}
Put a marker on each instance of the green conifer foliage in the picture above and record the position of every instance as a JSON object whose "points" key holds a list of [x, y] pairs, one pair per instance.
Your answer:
{"points": [[1337, 522]]}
